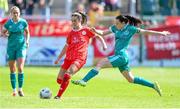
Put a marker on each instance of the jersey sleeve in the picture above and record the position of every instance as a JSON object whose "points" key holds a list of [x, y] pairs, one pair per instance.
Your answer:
{"points": [[134, 29], [112, 28], [25, 24]]}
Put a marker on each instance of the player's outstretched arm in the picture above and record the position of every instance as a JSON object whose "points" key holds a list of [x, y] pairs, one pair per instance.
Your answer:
{"points": [[100, 32], [102, 41], [151, 32], [61, 54]]}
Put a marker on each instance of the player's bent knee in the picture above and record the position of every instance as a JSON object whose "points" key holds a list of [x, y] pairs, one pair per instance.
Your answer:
{"points": [[12, 70], [20, 69], [100, 65], [67, 76], [70, 72]]}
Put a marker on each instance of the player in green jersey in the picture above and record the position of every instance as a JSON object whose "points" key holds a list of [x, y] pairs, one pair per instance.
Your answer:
{"points": [[124, 29], [18, 42]]}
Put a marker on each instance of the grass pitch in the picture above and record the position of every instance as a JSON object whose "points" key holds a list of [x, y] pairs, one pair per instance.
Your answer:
{"points": [[108, 90]]}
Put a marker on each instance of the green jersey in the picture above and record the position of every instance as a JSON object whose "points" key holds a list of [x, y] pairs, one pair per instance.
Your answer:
{"points": [[123, 37], [16, 37], [16, 47]]}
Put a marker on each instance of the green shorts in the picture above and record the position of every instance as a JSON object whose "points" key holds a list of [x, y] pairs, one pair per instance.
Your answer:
{"points": [[13, 54], [120, 61]]}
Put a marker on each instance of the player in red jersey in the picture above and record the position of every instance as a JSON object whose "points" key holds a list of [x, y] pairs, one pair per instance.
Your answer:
{"points": [[76, 48]]}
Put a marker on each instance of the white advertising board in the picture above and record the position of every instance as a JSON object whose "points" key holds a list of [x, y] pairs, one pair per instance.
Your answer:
{"points": [[43, 51]]}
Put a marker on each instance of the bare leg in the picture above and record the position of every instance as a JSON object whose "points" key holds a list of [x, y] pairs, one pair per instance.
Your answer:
{"points": [[137, 80], [128, 75], [20, 63], [12, 66], [72, 69], [103, 63], [61, 73]]}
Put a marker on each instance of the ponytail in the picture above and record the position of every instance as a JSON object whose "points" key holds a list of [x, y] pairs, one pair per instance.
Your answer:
{"points": [[84, 18], [129, 19], [133, 21], [122, 18]]}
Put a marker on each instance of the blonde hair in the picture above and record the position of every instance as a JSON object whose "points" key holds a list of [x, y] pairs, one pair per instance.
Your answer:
{"points": [[14, 8]]}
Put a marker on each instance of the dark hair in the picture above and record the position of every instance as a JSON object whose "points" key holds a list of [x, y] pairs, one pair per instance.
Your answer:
{"points": [[129, 19], [81, 16], [84, 18]]}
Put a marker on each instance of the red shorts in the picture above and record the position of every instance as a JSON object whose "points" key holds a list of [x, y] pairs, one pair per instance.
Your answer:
{"points": [[68, 63]]}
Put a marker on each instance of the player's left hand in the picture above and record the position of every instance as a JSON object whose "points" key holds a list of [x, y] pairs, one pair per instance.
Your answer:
{"points": [[27, 44], [4, 35], [165, 33], [56, 62], [104, 48], [93, 29]]}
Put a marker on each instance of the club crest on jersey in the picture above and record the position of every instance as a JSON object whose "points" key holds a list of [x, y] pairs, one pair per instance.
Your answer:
{"points": [[83, 32], [21, 26]]}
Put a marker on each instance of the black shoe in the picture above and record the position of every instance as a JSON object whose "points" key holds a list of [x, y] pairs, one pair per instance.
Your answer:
{"points": [[20, 93]]}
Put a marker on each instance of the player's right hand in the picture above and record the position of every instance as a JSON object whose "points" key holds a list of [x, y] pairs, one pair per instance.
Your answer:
{"points": [[165, 33], [56, 62], [104, 48], [92, 29], [27, 44], [4, 35]]}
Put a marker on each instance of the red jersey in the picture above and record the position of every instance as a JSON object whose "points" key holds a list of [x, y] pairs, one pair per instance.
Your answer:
{"points": [[78, 41]]}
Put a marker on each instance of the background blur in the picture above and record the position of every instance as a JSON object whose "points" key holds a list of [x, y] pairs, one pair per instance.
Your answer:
{"points": [[49, 23]]}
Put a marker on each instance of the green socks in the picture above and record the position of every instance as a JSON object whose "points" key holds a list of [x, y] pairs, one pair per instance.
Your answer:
{"points": [[13, 80], [141, 81], [92, 73], [20, 79]]}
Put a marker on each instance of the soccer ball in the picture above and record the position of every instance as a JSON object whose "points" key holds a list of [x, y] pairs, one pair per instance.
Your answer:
{"points": [[45, 93]]}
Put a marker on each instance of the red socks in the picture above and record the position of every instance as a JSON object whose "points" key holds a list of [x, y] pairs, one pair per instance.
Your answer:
{"points": [[59, 81], [64, 84]]}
